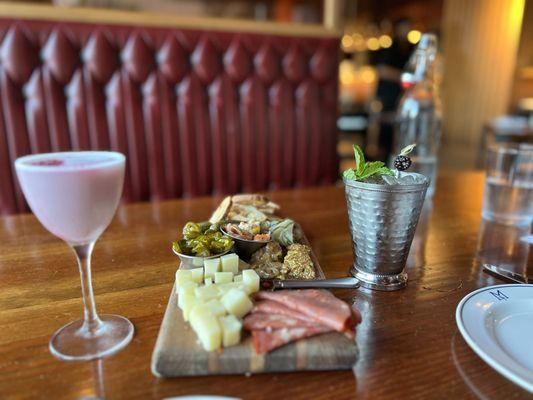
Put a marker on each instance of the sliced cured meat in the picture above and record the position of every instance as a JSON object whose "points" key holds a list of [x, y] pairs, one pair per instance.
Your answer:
{"points": [[274, 307], [264, 321], [317, 305], [264, 341]]}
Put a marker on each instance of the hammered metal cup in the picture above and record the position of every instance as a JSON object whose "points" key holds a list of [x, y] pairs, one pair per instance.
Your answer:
{"points": [[383, 221]]}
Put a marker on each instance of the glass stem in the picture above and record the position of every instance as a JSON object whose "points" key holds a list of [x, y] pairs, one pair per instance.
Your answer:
{"points": [[83, 253]]}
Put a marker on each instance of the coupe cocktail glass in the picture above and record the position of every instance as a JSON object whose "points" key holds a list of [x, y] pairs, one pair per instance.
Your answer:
{"points": [[75, 195]]}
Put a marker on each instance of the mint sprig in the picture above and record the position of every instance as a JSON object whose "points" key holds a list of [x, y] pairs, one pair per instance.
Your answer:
{"points": [[364, 170]]}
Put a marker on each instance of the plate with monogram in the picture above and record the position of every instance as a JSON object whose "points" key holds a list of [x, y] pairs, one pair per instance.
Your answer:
{"points": [[497, 323]]}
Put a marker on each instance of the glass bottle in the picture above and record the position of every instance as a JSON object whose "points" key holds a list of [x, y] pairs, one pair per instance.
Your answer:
{"points": [[419, 113]]}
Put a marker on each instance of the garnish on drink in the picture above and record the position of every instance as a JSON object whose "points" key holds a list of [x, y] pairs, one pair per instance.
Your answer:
{"points": [[371, 171]]}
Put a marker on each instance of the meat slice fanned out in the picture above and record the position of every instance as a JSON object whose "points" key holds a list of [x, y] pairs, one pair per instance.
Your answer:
{"points": [[264, 341], [266, 321], [274, 307], [285, 316], [320, 306]]}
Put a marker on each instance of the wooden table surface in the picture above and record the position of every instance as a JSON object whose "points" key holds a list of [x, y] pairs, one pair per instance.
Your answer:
{"points": [[409, 343]]}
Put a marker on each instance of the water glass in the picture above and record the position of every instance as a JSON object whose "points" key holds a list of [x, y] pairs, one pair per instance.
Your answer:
{"points": [[508, 196]]}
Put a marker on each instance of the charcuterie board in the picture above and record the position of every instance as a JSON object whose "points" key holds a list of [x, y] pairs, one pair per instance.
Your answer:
{"points": [[178, 352]]}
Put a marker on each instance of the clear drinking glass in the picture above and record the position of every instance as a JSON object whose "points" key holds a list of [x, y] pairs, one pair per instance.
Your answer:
{"points": [[508, 196], [75, 195]]}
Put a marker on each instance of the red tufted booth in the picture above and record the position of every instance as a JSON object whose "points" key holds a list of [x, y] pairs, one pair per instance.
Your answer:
{"points": [[195, 111]]}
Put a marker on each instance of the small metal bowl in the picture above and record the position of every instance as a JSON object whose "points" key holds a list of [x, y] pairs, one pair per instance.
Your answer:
{"points": [[244, 247], [188, 262]]}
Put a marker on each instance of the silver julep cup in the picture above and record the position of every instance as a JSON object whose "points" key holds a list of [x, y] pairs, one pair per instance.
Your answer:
{"points": [[383, 221]]}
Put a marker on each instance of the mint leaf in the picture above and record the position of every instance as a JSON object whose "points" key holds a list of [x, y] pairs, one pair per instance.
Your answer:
{"points": [[359, 159], [370, 169], [365, 170], [349, 174], [385, 171]]}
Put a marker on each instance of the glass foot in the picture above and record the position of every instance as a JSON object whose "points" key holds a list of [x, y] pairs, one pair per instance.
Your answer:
{"points": [[74, 342]]}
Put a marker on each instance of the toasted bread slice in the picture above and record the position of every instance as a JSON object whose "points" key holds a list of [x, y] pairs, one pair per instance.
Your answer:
{"points": [[221, 211]]}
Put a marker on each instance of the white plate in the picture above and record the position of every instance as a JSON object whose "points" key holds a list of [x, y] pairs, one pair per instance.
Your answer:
{"points": [[497, 323]]}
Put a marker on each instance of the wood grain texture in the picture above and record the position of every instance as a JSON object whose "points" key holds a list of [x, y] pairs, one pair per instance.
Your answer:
{"points": [[408, 341]]}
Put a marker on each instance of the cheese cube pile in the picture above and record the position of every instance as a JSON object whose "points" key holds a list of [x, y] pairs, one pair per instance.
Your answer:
{"points": [[214, 298]]}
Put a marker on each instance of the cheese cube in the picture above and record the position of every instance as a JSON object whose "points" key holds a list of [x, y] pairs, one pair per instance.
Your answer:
{"points": [[207, 327], [198, 262], [186, 287], [188, 302], [231, 330], [182, 299], [211, 266], [223, 277], [237, 278], [236, 302], [206, 293], [251, 279], [216, 307], [183, 275], [230, 263], [224, 288], [208, 281], [197, 274]]}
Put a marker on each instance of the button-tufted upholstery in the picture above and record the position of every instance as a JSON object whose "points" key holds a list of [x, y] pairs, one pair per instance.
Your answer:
{"points": [[196, 112]]}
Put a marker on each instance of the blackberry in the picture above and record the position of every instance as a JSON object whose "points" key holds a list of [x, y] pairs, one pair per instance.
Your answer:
{"points": [[401, 163]]}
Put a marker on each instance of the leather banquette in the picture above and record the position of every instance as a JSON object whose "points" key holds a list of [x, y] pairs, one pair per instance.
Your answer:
{"points": [[197, 111]]}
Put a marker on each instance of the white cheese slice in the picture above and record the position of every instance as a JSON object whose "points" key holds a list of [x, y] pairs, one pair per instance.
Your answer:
{"points": [[211, 266], [231, 330], [230, 263], [183, 275], [206, 293], [216, 307], [236, 302], [207, 327], [251, 279], [197, 274], [186, 287], [223, 277], [188, 302]]}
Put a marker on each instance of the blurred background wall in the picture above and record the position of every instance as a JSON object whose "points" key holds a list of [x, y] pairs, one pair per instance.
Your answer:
{"points": [[480, 47], [486, 61]]}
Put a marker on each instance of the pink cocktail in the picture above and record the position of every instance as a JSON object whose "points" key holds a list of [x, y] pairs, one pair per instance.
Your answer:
{"points": [[75, 195]]}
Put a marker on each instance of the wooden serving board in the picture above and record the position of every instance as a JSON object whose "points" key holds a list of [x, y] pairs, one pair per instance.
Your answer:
{"points": [[178, 353]]}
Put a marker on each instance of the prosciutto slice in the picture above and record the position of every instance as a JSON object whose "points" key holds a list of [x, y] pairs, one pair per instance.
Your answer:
{"points": [[319, 306], [267, 321], [265, 341], [274, 307], [285, 316]]}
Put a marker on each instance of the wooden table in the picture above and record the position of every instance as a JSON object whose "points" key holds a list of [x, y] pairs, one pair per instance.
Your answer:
{"points": [[409, 342]]}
